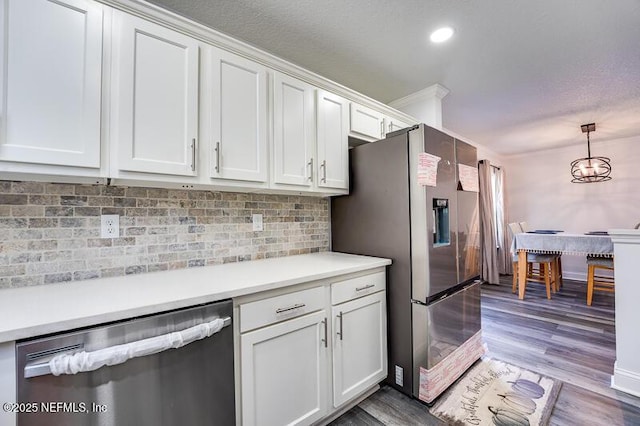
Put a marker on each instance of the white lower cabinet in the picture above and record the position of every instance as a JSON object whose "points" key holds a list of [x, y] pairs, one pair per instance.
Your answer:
{"points": [[284, 372], [291, 367], [360, 346]]}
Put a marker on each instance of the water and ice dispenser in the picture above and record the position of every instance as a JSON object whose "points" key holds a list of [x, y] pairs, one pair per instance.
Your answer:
{"points": [[441, 234]]}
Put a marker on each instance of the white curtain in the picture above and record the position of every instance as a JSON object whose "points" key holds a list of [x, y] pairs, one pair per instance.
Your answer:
{"points": [[503, 236], [488, 225]]}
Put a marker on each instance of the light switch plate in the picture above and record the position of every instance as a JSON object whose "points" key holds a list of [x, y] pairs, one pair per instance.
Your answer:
{"points": [[257, 222], [109, 226]]}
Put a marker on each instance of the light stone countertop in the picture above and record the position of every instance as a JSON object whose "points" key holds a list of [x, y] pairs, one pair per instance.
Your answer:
{"points": [[32, 311]]}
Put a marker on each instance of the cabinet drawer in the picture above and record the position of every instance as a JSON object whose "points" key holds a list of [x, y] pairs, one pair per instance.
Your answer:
{"points": [[357, 287], [279, 308]]}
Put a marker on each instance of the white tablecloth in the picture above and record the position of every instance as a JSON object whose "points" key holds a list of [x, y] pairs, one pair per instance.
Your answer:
{"points": [[578, 244]]}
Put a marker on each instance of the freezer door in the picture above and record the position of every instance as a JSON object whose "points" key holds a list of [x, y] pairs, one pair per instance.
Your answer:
{"points": [[468, 231], [433, 216], [440, 328]]}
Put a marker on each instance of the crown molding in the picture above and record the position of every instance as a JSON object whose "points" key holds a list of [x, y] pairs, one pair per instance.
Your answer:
{"points": [[436, 91]]}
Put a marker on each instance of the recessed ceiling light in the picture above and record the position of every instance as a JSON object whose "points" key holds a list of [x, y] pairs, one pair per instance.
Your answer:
{"points": [[441, 34]]}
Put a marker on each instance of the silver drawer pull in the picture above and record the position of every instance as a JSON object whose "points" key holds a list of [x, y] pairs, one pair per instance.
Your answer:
{"points": [[290, 308], [193, 155], [365, 287], [324, 321], [217, 167]]}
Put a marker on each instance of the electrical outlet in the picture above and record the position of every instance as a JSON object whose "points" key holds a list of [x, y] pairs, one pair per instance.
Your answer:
{"points": [[109, 226], [399, 376], [257, 222]]}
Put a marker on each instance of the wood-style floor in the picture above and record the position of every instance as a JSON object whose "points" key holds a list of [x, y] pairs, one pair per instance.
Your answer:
{"points": [[561, 338]]}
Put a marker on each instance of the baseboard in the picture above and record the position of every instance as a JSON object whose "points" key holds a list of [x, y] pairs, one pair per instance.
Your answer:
{"points": [[575, 276], [625, 381]]}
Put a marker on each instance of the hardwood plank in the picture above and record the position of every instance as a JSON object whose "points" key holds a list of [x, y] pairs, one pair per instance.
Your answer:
{"points": [[356, 417], [394, 408], [561, 338]]}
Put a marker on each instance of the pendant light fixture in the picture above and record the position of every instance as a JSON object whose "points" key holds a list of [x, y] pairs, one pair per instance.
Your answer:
{"points": [[590, 169]]}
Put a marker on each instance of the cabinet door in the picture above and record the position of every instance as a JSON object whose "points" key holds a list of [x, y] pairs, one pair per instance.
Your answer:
{"points": [[284, 372], [293, 131], [364, 121], [391, 125], [155, 100], [360, 346], [333, 130], [51, 76], [239, 118]]}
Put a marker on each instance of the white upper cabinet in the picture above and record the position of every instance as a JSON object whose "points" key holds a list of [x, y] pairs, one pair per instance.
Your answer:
{"points": [[239, 121], [293, 131], [365, 122], [154, 122], [51, 77], [332, 142], [391, 125]]}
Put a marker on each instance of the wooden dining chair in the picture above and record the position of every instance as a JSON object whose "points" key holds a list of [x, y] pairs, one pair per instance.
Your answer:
{"points": [[598, 282], [546, 272], [558, 269]]}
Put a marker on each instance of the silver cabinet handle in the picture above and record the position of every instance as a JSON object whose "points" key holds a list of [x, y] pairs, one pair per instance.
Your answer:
{"points": [[323, 166], [217, 157], [324, 321], [114, 355], [310, 164], [390, 125], [382, 129], [290, 308], [193, 154], [365, 287], [340, 332]]}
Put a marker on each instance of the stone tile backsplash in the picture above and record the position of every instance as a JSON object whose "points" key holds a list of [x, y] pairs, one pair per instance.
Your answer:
{"points": [[50, 232]]}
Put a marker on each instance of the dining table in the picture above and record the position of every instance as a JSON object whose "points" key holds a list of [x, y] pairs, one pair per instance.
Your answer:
{"points": [[557, 242]]}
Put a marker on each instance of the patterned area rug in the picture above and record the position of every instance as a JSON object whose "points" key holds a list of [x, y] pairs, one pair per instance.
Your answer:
{"points": [[496, 393]]}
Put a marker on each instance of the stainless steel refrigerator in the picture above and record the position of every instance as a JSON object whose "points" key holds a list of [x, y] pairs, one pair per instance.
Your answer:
{"points": [[431, 234]]}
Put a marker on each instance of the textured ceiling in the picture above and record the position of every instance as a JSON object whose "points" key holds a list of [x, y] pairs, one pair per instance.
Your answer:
{"points": [[522, 75]]}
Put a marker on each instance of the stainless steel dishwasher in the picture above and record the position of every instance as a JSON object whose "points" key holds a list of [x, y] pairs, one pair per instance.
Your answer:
{"points": [[142, 383]]}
